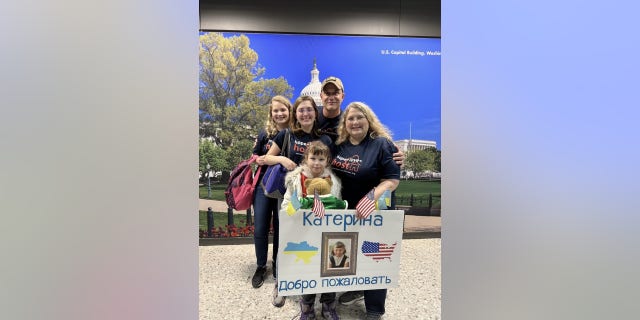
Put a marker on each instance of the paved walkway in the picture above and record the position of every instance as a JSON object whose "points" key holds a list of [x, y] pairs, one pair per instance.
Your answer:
{"points": [[411, 223], [226, 292]]}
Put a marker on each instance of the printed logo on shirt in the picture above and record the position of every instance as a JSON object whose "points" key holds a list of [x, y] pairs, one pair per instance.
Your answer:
{"points": [[349, 165], [299, 147]]}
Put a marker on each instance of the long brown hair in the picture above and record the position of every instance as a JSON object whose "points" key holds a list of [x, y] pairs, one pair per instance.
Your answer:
{"points": [[295, 126]]}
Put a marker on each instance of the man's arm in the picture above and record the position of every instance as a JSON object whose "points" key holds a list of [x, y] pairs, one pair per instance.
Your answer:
{"points": [[398, 157]]}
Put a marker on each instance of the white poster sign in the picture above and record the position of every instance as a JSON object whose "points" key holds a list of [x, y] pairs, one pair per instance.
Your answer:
{"points": [[338, 252]]}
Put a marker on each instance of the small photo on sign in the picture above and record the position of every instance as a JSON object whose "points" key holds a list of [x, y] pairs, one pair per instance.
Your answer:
{"points": [[339, 253]]}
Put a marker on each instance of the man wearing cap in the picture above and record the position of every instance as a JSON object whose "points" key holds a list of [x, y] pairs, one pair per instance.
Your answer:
{"points": [[332, 95]]}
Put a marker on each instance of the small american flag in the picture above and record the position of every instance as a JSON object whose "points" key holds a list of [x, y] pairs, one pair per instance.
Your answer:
{"points": [[378, 251], [318, 207], [366, 205]]}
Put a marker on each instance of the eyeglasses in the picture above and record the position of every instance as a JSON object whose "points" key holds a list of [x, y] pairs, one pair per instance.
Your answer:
{"points": [[305, 110]]}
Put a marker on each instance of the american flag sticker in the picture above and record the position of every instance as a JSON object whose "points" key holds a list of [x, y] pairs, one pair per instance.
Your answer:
{"points": [[378, 251]]}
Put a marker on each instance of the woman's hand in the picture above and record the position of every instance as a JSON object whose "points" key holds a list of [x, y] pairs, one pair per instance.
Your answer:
{"points": [[288, 163], [273, 159]]}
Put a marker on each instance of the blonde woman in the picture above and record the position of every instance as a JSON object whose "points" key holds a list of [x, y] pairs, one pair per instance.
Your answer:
{"points": [[363, 160], [265, 209]]}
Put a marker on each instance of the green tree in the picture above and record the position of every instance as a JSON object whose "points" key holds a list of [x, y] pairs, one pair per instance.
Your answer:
{"points": [[215, 156], [423, 160], [238, 152], [234, 98]]}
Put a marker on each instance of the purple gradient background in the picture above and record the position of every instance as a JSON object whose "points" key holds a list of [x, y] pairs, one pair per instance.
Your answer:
{"points": [[97, 193]]}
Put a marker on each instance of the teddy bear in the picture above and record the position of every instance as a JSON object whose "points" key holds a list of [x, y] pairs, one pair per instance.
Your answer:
{"points": [[323, 187]]}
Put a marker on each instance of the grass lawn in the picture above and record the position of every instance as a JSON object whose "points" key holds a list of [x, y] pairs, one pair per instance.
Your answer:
{"points": [[221, 219], [419, 188], [217, 191]]}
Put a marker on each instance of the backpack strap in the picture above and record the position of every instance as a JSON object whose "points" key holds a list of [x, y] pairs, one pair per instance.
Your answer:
{"points": [[285, 144], [253, 159]]}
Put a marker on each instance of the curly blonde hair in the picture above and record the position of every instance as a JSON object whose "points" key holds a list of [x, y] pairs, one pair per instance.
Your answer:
{"points": [[376, 128]]}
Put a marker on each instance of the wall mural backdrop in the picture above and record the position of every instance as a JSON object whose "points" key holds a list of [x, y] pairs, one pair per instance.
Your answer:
{"points": [[240, 72]]}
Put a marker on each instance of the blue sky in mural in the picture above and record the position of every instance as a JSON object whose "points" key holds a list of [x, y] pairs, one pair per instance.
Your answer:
{"points": [[398, 77]]}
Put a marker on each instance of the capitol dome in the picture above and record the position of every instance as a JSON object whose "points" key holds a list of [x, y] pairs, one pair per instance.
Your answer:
{"points": [[314, 86]]}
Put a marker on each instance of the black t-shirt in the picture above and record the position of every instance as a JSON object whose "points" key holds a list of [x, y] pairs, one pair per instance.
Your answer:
{"points": [[361, 167], [328, 126], [298, 144], [261, 147]]}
